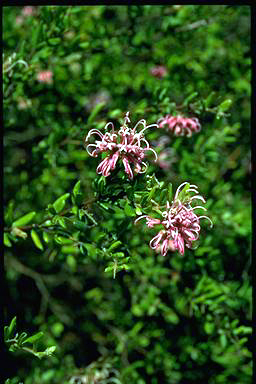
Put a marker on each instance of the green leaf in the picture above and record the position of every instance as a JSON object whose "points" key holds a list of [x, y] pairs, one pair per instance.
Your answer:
{"points": [[209, 328], [84, 44], [95, 112], [69, 249], [62, 240], [80, 225], [118, 254], [190, 98], [49, 351], [6, 332], [61, 221], [243, 329], [115, 113], [162, 93], [54, 41], [59, 204], [46, 237], [104, 206], [33, 338], [12, 327], [114, 245], [209, 99], [24, 219], [36, 239], [223, 340], [170, 192], [138, 210], [77, 189], [225, 105], [7, 242], [128, 210], [183, 192], [51, 209]]}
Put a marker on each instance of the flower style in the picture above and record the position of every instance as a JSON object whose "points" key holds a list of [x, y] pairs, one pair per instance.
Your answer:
{"points": [[180, 125], [181, 225], [124, 144], [158, 71]]}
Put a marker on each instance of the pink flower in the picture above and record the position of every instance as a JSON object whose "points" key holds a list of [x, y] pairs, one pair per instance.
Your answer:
{"points": [[158, 71], [19, 20], [180, 224], [124, 144], [166, 158], [45, 77], [28, 10], [180, 125]]}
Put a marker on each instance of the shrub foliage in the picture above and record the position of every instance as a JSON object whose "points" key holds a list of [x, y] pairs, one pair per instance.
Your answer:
{"points": [[78, 269]]}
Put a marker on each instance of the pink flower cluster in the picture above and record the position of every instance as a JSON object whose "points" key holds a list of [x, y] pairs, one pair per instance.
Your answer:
{"points": [[181, 225], [125, 144], [159, 71], [45, 77], [28, 10], [180, 125]]}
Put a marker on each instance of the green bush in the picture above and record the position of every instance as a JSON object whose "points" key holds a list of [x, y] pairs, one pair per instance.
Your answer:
{"points": [[78, 268]]}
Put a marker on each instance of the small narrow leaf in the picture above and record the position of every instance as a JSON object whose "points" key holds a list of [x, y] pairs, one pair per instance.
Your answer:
{"points": [[77, 188], [223, 340], [170, 192], [209, 99], [7, 242], [34, 338], [138, 210], [36, 240], [190, 98], [54, 41], [46, 237], [114, 245], [118, 254], [128, 210], [59, 204], [12, 326], [95, 112], [24, 219], [6, 332], [80, 225], [225, 105], [49, 351]]}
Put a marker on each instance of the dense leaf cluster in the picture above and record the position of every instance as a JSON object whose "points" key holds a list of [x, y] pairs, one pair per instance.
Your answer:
{"points": [[68, 231]]}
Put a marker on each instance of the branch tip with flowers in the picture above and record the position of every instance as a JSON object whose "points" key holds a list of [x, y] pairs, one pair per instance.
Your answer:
{"points": [[181, 225], [126, 144]]}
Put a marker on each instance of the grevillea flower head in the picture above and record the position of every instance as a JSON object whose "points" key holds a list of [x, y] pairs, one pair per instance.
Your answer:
{"points": [[126, 145], [180, 224], [180, 125], [158, 71]]}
